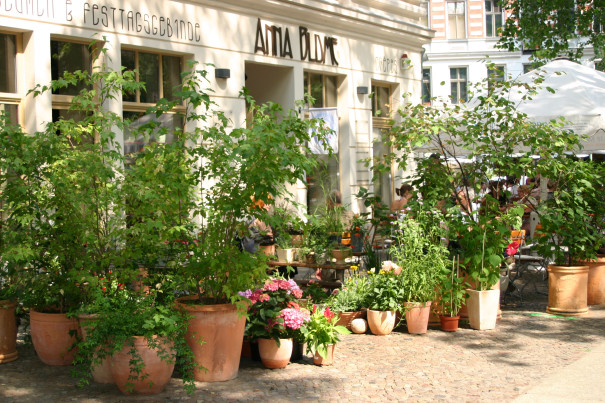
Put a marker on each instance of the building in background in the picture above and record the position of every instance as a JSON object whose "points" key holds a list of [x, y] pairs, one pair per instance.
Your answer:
{"points": [[338, 52]]}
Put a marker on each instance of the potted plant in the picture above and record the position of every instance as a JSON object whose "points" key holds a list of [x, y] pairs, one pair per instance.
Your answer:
{"points": [[321, 335], [452, 290], [274, 319], [285, 250], [358, 232], [419, 250], [569, 233], [139, 333], [238, 168], [350, 299], [8, 319], [383, 299]]}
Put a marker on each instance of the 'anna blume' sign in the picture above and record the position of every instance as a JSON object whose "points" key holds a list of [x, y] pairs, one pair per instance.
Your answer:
{"points": [[116, 17], [275, 41]]}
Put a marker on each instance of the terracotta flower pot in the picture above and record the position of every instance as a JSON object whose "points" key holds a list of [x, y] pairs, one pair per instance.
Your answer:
{"points": [[329, 360], [483, 308], [267, 250], [51, 337], [340, 255], [567, 290], [8, 332], [100, 373], [221, 329], [449, 323], [274, 356], [381, 322], [345, 318], [596, 281], [155, 374], [417, 316]]}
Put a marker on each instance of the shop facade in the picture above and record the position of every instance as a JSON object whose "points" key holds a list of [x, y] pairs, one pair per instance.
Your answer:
{"points": [[357, 59]]}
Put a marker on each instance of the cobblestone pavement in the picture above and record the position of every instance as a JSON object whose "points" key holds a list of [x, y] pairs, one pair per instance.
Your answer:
{"points": [[465, 366]]}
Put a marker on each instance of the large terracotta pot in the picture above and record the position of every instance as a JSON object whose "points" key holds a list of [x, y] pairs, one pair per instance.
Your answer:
{"points": [[449, 323], [417, 316], [483, 308], [381, 322], [329, 360], [154, 375], [274, 356], [567, 290], [101, 373], [596, 281], [8, 332], [220, 328], [51, 337]]}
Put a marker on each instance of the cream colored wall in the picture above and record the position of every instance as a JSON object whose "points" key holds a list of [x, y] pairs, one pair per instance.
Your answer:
{"points": [[227, 39]]}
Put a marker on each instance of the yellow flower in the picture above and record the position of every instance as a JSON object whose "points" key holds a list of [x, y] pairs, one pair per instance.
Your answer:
{"points": [[354, 267]]}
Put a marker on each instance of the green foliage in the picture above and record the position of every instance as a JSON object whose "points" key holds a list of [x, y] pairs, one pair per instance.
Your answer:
{"points": [[315, 293], [352, 296], [452, 288], [321, 330], [420, 252], [385, 291], [471, 144], [120, 314], [555, 28], [572, 220]]}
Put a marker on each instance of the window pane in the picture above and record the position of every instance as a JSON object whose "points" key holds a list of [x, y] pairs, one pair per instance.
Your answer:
{"points": [[463, 91], [321, 182], [8, 64], [426, 85], [11, 111], [462, 73], [171, 75], [488, 6], [149, 73], [129, 62], [135, 139], [316, 90], [330, 93], [455, 95], [68, 56], [382, 185], [489, 28]]}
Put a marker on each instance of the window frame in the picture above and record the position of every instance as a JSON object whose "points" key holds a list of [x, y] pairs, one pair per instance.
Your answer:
{"points": [[381, 121], [138, 107], [16, 97], [428, 83], [458, 35], [493, 15], [459, 81]]}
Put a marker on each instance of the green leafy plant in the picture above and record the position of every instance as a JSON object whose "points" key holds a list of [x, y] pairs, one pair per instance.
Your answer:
{"points": [[315, 292], [452, 289], [385, 291], [352, 296], [572, 220], [421, 253], [274, 312], [321, 330], [120, 314]]}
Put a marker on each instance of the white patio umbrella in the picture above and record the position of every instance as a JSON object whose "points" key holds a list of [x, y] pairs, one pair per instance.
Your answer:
{"points": [[579, 97]]}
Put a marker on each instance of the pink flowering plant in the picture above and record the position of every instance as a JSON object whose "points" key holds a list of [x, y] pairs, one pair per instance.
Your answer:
{"points": [[274, 312], [322, 330]]}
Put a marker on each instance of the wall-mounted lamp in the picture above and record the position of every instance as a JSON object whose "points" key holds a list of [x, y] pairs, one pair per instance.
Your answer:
{"points": [[362, 90], [222, 73]]}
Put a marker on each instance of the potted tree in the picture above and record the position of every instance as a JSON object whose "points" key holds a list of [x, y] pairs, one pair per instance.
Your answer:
{"points": [[238, 167], [321, 335], [569, 233], [419, 250]]}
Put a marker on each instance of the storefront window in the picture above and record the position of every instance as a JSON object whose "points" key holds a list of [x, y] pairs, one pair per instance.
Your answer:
{"points": [[70, 57], [326, 177], [161, 75], [382, 183], [8, 63], [381, 102]]}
